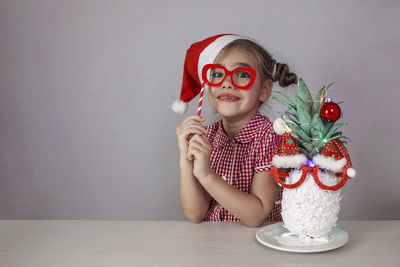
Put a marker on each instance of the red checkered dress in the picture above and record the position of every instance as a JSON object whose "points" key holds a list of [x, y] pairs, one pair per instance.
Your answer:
{"points": [[237, 159]]}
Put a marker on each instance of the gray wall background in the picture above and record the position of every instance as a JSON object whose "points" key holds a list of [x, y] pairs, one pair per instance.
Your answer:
{"points": [[86, 129]]}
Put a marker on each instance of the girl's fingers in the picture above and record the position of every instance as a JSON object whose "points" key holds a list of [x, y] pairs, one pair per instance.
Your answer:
{"points": [[196, 126], [192, 152], [195, 145], [193, 117], [185, 131], [194, 121], [190, 127], [190, 131], [199, 147], [190, 155], [201, 139], [192, 124]]}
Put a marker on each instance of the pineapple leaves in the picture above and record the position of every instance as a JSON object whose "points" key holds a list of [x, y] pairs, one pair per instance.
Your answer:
{"points": [[304, 94], [290, 107], [303, 115], [340, 137], [297, 129], [327, 127], [337, 134], [330, 85], [333, 129], [317, 104], [316, 126], [288, 116], [287, 98], [316, 129], [319, 143], [305, 145]]}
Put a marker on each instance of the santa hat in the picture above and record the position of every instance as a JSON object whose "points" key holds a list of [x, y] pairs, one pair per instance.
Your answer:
{"points": [[198, 55], [334, 157], [286, 153]]}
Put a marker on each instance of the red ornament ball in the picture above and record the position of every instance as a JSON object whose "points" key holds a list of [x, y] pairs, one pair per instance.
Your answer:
{"points": [[330, 111]]}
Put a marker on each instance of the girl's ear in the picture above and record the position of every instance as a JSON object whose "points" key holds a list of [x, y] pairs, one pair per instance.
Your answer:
{"points": [[266, 89]]}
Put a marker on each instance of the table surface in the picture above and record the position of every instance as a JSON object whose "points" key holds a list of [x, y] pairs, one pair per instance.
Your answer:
{"points": [[180, 243]]}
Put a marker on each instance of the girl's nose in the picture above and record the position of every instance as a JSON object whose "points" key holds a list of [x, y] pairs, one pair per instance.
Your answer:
{"points": [[227, 83]]}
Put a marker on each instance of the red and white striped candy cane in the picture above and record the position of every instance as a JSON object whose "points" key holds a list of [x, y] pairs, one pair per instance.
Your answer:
{"points": [[200, 99]]}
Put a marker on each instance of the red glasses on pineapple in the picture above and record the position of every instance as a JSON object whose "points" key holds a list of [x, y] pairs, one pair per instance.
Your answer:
{"points": [[241, 77]]}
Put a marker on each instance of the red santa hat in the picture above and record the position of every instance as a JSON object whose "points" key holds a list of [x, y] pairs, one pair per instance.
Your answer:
{"points": [[286, 153], [334, 157], [198, 55]]}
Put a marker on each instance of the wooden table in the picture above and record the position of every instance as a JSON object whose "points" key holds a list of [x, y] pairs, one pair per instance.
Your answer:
{"points": [[179, 243]]}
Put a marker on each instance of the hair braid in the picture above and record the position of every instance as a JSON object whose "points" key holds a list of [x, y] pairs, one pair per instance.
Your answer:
{"points": [[283, 76]]}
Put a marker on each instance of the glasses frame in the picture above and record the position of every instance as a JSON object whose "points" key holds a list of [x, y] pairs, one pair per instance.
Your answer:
{"points": [[314, 170], [207, 67]]}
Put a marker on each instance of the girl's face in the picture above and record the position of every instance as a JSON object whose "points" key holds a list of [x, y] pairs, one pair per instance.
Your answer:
{"points": [[238, 104]]}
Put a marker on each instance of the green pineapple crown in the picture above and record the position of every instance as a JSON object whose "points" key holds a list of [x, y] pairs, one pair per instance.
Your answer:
{"points": [[303, 118]]}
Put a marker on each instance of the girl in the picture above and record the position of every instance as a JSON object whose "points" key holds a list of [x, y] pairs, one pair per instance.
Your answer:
{"points": [[223, 167]]}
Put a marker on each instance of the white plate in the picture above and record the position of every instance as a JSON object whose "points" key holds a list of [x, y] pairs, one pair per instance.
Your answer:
{"points": [[271, 236]]}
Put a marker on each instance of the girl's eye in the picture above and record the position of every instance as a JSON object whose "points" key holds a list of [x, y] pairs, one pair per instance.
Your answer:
{"points": [[217, 74], [243, 75]]}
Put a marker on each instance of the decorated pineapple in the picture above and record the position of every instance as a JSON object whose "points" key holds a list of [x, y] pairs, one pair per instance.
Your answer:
{"points": [[310, 162]]}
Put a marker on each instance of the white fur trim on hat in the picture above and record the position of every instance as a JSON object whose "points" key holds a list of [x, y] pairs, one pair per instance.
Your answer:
{"points": [[289, 161], [330, 163], [178, 106]]}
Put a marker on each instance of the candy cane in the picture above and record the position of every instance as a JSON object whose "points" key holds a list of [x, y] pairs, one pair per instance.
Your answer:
{"points": [[200, 99]]}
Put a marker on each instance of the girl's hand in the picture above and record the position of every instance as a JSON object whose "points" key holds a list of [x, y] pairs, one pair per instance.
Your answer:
{"points": [[189, 127], [199, 150]]}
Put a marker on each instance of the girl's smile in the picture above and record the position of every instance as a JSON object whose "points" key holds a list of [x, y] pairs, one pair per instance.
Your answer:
{"points": [[227, 97]]}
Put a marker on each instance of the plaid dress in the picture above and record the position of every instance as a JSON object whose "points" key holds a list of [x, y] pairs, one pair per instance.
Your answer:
{"points": [[237, 159]]}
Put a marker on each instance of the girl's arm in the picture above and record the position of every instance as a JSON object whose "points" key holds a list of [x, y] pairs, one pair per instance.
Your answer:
{"points": [[194, 200], [251, 208]]}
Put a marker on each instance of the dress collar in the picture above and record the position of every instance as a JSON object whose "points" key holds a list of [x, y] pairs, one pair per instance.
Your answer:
{"points": [[245, 135]]}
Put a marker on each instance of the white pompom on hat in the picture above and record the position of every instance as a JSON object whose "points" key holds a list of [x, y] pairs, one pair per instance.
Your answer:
{"points": [[199, 54], [351, 172], [279, 126]]}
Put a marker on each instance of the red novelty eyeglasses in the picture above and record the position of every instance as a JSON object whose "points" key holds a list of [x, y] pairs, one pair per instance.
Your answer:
{"points": [[314, 171], [241, 77]]}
